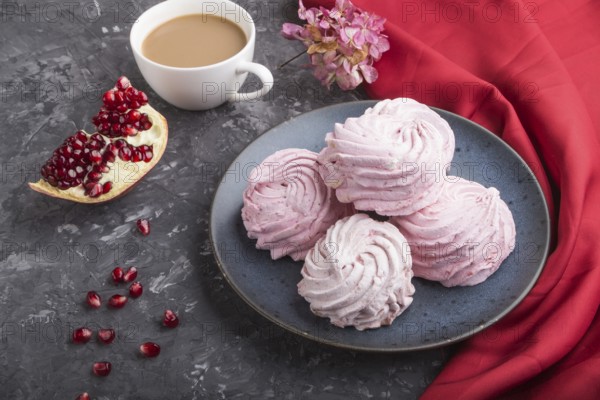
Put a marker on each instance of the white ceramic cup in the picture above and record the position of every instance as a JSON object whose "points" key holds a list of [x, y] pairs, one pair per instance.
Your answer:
{"points": [[200, 88]]}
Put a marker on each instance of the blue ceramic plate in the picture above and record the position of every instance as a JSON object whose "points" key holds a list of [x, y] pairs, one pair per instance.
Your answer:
{"points": [[438, 315]]}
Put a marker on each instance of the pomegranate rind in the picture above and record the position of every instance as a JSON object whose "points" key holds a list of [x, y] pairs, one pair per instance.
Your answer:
{"points": [[123, 175]]}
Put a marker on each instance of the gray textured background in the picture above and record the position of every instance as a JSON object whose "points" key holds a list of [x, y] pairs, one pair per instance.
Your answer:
{"points": [[56, 59]]}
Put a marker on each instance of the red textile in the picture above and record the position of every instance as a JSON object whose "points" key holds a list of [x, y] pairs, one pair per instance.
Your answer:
{"points": [[529, 72]]}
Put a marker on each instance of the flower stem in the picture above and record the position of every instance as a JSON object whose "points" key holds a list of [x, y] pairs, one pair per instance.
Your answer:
{"points": [[291, 59]]}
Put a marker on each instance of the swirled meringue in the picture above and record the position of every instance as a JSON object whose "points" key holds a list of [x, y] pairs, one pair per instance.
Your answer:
{"points": [[409, 109], [359, 274], [389, 161], [287, 206], [461, 239]]}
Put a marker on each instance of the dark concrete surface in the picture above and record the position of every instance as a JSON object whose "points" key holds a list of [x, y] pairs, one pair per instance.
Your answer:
{"points": [[56, 59]]}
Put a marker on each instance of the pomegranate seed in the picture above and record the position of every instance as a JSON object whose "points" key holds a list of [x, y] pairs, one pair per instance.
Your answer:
{"points": [[138, 155], [109, 99], [129, 130], [125, 153], [97, 137], [95, 190], [93, 299], [82, 335], [130, 275], [170, 320], [94, 177], [119, 98], [122, 108], [106, 336], [109, 156], [117, 301], [106, 187], [101, 168], [130, 93], [150, 349], [133, 116], [80, 135], [142, 98], [66, 150], [101, 368], [143, 226], [120, 144], [64, 185], [135, 290], [117, 274], [123, 83], [83, 396], [148, 154], [95, 157], [135, 104]]}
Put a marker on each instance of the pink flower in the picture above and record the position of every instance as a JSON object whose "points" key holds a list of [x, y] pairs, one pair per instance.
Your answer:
{"points": [[342, 43]]}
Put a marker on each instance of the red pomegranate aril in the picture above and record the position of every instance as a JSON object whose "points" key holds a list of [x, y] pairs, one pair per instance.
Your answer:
{"points": [[104, 128], [117, 301], [122, 108], [143, 226], [131, 93], [109, 99], [129, 130], [116, 128], [170, 319], [130, 275], [119, 97], [120, 144], [146, 125], [61, 172], [80, 135], [95, 157], [112, 149], [106, 336], [93, 299], [106, 187], [148, 154], [83, 396], [82, 335], [138, 155], [101, 368], [109, 157], [98, 138], [150, 349], [66, 150], [133, 116], [52, 181], [125, 153], [135, 290], [95, 190], [135, 104], [117, 275], [94, 176], [64, 185], [101, 168], [77, 145], [123, 83], [142, 98]]}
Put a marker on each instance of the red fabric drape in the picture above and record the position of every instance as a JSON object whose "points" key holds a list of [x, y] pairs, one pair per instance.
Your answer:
{"points": [[529, 72]]}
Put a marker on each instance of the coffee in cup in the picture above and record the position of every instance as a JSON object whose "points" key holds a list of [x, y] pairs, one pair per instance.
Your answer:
{"points": [[196, 54]]}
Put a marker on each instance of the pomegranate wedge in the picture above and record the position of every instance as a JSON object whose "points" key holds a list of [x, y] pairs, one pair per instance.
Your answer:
{"points": [[99, 167]]}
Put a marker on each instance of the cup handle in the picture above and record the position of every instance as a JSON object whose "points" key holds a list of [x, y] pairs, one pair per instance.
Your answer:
{"points": [[263, 74]]}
